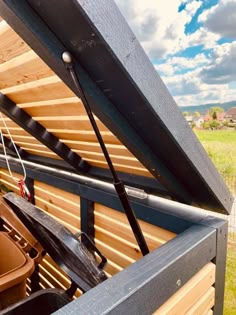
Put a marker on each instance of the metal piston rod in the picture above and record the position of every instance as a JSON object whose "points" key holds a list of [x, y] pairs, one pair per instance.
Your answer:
{"points": [[118, 184]]}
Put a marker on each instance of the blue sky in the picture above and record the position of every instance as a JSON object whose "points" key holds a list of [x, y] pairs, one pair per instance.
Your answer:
{"points": [[191, 43]]}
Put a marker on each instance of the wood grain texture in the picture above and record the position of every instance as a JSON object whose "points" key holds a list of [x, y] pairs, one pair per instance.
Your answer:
{"points": [[24, 68], [11, 45], [41, 90], [190, 294]]}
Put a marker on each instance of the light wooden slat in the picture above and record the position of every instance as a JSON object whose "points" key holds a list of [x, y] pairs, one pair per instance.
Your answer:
{"points": [[190, 293], [15, 132], [68, 122], [11, 45], [114, 149], [129, 249], [84, 135], [112, 268], [112, 254], [46, 152], [124, 231], [70, 204], [119, 167], [51, 279], [22, 69], [116, 159], [206, 302], [23, 138], [41, 90], [152, 231], [62, 107], [57, 212], [210, 312]]}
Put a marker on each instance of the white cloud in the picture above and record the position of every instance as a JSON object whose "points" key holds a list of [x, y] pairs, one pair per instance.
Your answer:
{"points": [[222, 68], [174, 64], [158, 24], [221, 18], [161, 30], [201, 37]]}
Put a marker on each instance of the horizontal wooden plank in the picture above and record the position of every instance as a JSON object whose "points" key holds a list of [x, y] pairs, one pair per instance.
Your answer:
{"points": [[112, 268], [129, 249], [206, 302], [41, 90], [62, 107], [84, 135], [124, 231], [58, 212], [55, 282], [11, 45], [46, 153], [23, 138], [22, 69], [113, 149], [185, 298], [151, 231], [68, 122], [119, 167], [58, 198]]}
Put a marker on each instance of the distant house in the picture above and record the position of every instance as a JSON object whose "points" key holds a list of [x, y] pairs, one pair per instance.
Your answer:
{"points": [[231, 114], [207, 118], [198, 121], [189, 119]]}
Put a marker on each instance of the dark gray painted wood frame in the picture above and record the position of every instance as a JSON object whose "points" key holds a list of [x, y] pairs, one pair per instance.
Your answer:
{"points": [[145, 285], [153, 279], [108, 57]]}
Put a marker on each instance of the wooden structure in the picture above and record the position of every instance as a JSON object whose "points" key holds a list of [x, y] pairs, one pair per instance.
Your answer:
{"points": [[152, 148]]}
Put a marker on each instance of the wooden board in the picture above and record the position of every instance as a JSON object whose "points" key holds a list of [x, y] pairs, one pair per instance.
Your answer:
{"points": [[41, 90], [22, 69], [191, 293], [11, 45]]}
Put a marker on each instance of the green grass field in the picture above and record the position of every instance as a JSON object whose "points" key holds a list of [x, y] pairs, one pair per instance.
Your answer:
{"points": [[221, 148], [230, 285]]}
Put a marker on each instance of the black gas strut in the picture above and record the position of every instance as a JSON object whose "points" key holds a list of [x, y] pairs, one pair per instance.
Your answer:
{"points": [[118, 184]]}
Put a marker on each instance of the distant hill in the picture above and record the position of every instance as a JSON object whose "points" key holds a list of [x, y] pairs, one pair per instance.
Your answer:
{"points": [[202, 109]]}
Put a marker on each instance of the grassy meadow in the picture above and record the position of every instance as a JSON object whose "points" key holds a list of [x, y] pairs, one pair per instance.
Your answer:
{"points": [[230, 285], [221, 148]]}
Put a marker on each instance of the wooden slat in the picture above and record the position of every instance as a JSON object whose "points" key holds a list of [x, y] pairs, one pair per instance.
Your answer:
{"points": [[68, 122], [206, 302], [113, 149], [11, 45], [58, 198], [150, 230], [22, 69], [184, 299], [114, 255], [84, 135], [124, 231], [119, 167], [58, 212], [23, 138], [129, 249], [62, 107], [41, 90]]}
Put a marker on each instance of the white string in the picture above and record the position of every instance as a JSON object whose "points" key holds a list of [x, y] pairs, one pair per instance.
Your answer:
{"points": [[15, 147]]}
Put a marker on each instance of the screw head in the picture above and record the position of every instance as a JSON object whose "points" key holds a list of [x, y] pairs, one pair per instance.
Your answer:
{"points": [[66, 57], [178, 283]]}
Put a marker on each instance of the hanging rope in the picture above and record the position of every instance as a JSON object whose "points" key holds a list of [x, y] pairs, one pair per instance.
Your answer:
{"points": [[24, 191]]}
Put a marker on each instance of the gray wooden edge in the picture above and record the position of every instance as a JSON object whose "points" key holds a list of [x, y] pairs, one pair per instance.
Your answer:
{"points": [[145, 285]]}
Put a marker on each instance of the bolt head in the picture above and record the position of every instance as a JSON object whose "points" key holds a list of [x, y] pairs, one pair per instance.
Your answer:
{"points": [[66, 57]]}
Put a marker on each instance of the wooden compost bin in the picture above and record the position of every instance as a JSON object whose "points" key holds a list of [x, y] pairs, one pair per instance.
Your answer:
{"points": [[184, 273], [178, 277]]}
